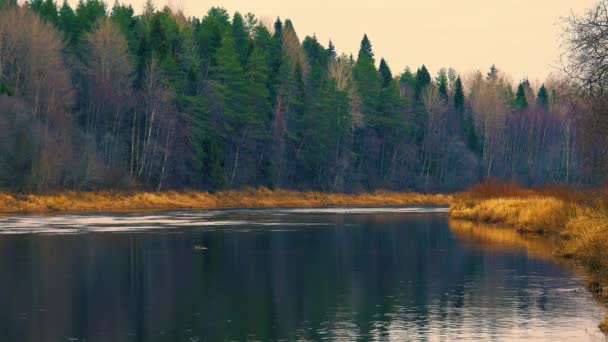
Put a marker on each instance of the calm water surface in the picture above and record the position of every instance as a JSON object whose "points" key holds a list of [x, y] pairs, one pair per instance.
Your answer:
{"points": [[282, 275]]}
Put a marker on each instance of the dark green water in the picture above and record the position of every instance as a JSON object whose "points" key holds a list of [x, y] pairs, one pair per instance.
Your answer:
{"points": [[278, 275]]}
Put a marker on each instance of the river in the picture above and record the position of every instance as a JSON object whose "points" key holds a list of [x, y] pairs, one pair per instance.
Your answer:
{"points": [[282, 275]]}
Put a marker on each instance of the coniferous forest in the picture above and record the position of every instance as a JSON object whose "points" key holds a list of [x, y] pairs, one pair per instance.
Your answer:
{"points": [[97, 97]]}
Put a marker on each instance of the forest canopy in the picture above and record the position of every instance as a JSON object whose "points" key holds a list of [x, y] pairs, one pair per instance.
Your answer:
{"points": [[98, 97]]}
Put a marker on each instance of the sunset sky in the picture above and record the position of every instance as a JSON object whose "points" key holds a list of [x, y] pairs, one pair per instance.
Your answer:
{"points": [[520, 36]]}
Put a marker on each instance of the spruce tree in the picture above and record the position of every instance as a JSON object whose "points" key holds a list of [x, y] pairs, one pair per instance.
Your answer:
{"points": [[366, 49], [123, 17], [492, 74], [257, 89], [208, 38], [520, 97], [368, 79], [408, 78], [331, 51], [458, 96], [423, 79], [159, 42], [68, 24], [442, 84], [230, 75], [241, 38], [543, 97], [89, 12], [385, 72]]}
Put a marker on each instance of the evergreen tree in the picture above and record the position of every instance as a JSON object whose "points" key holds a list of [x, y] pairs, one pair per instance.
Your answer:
{"points": [[408, 78], [458, 96], [385, 72], [331, 51], [46, 9], [207, 155], [442, 84], [208, 38], [241, 38], [236, 116], [68, 24], [257, 90], [369, 80], [316, 54], [366, 49], [543, 97], [492, 74], [232, 79], [423, 79], [520, 96], [466, 121], [89, 12], [159, 42], [123, 17]]}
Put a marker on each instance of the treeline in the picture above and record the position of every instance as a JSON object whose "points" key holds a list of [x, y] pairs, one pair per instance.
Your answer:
{"points": [[96, 97]]}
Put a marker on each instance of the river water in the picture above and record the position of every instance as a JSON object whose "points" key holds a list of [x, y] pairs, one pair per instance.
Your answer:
{"points": [[283, 275]]}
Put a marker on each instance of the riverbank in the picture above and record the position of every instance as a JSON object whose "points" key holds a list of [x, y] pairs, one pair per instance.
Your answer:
{"points": [[248, 198], [578, 221]]}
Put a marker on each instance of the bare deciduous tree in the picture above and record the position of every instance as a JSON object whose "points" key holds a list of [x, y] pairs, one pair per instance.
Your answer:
{"points": [[586, 54]]}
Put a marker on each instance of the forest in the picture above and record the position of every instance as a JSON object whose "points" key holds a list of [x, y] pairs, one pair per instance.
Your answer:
{"points": [[98, 97]]}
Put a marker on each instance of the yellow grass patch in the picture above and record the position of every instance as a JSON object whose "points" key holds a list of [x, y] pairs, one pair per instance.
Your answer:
{"points": [[247, 198], [578, 220], [531, 214]]}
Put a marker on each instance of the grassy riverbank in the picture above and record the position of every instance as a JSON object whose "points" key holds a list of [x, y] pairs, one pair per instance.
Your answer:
{"points": [[578, 220], [248, 198]]}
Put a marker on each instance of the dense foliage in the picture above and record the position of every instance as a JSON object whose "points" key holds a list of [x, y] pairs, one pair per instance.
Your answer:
{"points": [[97, 97]]}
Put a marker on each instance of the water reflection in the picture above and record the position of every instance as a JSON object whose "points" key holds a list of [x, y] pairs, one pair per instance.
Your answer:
{"points": [[335, 276]]}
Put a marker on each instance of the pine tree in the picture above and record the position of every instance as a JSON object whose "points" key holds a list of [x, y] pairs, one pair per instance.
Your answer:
{"points": [[46, 9], [89, 12], [257, 90], [442, 84], [207, 155], [241, 38], [521, 102], [385, 72], [423, 79], [543, 97], [236, 117], [366, 49], [232, 79], [331, 50], [208, 38], [123, 17], [159, 42], [369, 81], [68, 24], [458, 96], [408, 78], [278, 29], [492, 74]]}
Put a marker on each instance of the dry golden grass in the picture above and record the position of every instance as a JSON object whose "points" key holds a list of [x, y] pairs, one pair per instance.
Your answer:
{"points": [[247, 198], [577, 219], [530, 214], [604, 326]]}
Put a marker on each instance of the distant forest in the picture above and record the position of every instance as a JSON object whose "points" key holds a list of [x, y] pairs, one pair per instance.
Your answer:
{"points": [[95, 97]]}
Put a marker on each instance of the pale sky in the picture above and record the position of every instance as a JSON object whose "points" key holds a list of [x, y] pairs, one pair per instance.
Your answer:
{"points": [[520, 36]]}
